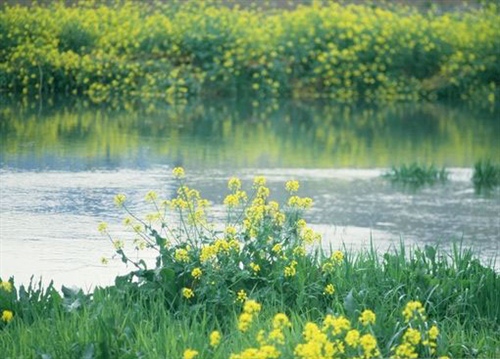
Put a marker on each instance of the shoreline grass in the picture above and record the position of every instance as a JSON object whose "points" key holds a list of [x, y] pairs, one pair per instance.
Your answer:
{"points": [[458, 293], [260, 288], [416, 175], [486, 175]]}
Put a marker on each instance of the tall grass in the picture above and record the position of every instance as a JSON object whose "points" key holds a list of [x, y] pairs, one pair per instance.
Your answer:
{"points": [[486, 175], [416, 175], [458, 293]]}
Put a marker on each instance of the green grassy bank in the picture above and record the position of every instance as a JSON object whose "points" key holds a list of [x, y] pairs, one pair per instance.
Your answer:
{"points": [[131, 51], [260, 287]]}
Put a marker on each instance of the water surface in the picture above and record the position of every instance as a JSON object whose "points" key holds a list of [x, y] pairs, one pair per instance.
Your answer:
{"points": [[61, 166]]}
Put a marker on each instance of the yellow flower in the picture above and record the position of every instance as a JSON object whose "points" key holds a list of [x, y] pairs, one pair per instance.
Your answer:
{"points": [[369, 345], [178, 172], [299, 251], [102, 227], [190, 354], [259, 181], [215, 338], [244, 321], [196, 273], [433, 332], [118, 244], [251, 307], [242, 296], [104, 260], [280, 321], [7, 316], [405, 350], [367, 317], [413, 308], [292, 186], [120, 199], [181, 255], [352, 337], [276, 248], [230, 231], [338, 256], [187, 293], [6, 286], [290, 270], [231, 200], [412, 336], [337, 324], [255, 267], [276, 336], [151, 196], [329, 289]]}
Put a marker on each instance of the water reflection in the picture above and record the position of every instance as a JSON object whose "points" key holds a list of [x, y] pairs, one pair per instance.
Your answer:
{"points": [[236, 135]]}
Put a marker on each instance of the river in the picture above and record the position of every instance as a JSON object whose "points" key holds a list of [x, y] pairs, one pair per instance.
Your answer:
{"points": [[60, 167]]}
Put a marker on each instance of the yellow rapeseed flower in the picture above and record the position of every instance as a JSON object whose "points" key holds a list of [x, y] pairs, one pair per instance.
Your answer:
{"points": [[412, 309], [190, 354], [338, 256], [120, 199], [280, 321], [251, 307], [187, 293], [259, 181], [6, 286], [215, 338], [412, 336], [241, 296], [367, 317], [244, 321], [292, 186], [433, 332], [352, 337], [255, 267], [178, 172], [369, 345], [181, 255], [405, 350], [151, 196], [196, 273], [329, 289], [234, 184], [7, 316], [102, 227]]}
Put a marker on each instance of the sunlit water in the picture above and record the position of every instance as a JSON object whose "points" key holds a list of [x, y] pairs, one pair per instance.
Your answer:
{"points": [[60, 171]]}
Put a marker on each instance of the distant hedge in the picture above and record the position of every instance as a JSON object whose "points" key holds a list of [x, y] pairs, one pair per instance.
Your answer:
{"points": [[131, 51]]}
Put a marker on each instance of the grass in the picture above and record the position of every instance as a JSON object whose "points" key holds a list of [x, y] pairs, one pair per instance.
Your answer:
{"points": [[458, 293], [416, 175], [486, 175], [265, 286]]}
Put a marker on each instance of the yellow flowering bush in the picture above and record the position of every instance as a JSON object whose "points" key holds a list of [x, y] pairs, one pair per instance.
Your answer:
{"points": [[112, 51], [262, 247]]}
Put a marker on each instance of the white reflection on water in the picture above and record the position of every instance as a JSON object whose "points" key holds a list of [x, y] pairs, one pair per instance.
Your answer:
{"points": [[48, 220]]}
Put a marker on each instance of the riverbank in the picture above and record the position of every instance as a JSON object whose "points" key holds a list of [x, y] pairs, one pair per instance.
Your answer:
{"points": [[458, 297], [259, 285], [132, 52]]}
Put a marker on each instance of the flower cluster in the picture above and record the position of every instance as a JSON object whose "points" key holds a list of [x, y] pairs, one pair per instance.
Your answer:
{"points": [[336, 336], [419, 338], [173, 51], [7, 296]]}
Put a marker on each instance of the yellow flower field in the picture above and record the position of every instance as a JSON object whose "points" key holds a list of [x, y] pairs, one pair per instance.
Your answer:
{"points": [[131, 51]]}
